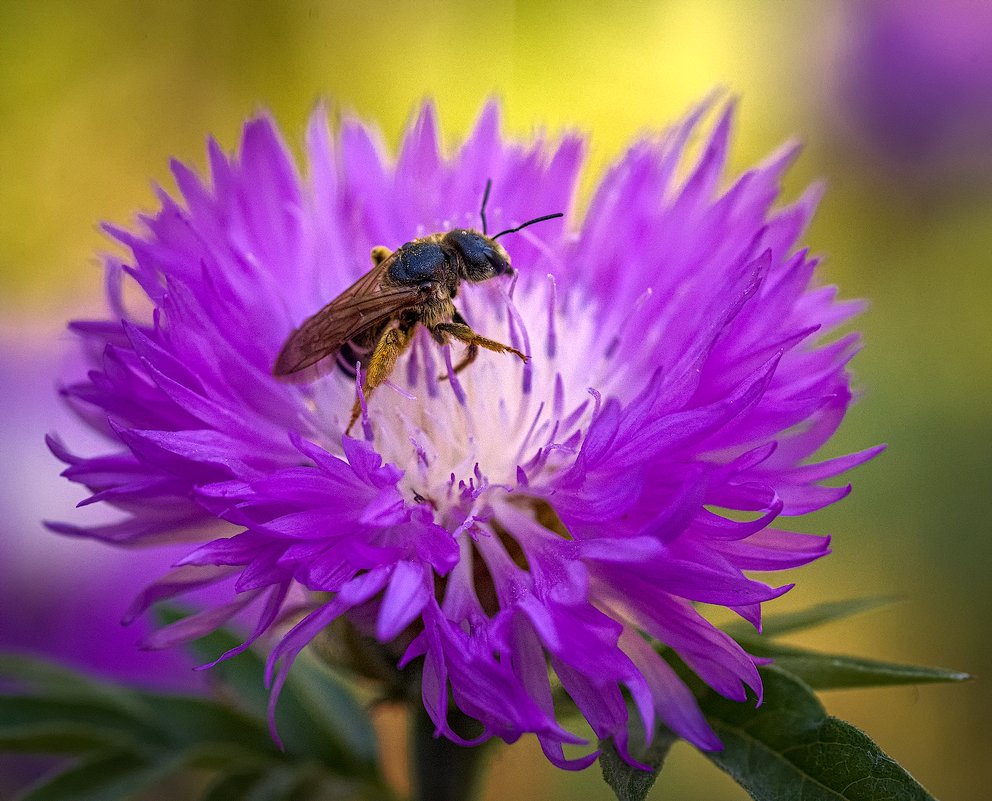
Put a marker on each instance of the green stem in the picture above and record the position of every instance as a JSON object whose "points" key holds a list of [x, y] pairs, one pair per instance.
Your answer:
{"points": [[440, 769]]}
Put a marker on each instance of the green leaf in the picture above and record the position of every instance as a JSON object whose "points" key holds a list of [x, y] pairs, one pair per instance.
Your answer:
{"points": [[232, 787], [834, 671], [107, 777], [58, 738], [51, 680], [317, 714], [335, 708], [276, 785], [817, 615], [216, 732], [170, 721], [133, 739], [191, 721], [243, 674], [56, 725], [790, 748], [630, 783]]}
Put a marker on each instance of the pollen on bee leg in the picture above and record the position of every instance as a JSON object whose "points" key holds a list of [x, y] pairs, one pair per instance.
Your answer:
{"points": [[380, 253]]}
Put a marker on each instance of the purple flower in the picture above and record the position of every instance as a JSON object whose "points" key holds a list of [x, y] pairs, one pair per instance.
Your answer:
{"points": [[80, 626], [517, 516], [917, 75]]}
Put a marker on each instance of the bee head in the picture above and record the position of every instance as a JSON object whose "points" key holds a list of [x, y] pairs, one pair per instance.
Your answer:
{"points": [[481, 257]]}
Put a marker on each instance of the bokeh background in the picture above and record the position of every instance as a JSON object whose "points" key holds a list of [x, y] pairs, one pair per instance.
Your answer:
{"points": [[894, 102]]}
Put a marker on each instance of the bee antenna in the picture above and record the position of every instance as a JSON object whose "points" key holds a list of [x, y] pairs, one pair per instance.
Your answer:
{"points": [[485, 199], [529, 222]]}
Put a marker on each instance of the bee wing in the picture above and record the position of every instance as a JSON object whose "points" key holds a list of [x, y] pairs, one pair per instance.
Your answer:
{"points": [[367, 302]]}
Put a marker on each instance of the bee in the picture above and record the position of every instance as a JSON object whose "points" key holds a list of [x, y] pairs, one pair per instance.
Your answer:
{"points": [[416, 284]]}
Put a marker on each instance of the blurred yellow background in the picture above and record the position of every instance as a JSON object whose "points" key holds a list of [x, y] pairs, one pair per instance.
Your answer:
{"points": [[95, 97]]}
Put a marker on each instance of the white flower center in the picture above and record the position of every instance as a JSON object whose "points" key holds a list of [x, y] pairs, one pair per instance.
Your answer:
{"points": [[499, 423]]}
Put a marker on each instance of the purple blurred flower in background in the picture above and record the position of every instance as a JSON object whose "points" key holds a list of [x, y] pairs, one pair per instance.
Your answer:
{"points": [[517, 516], [917, 75], [58, 599]]}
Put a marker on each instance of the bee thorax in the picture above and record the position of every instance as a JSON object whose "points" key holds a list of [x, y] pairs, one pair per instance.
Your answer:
{"points": [[436, 311]]}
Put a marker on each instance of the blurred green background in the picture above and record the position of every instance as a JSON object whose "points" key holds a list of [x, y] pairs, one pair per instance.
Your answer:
{"points": [[94, 98]]}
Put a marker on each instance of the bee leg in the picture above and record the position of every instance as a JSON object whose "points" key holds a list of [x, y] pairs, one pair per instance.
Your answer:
{"points": [[380, 254], [463, 333], [387, 350], [471, 351]]}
